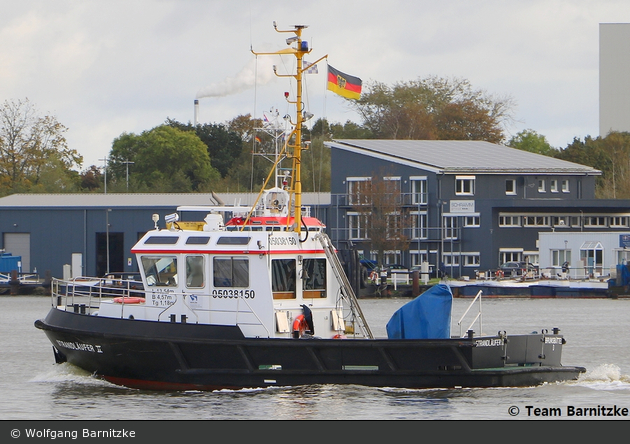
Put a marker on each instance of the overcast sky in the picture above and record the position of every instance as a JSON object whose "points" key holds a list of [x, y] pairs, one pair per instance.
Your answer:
{"points": [[108, 67]]}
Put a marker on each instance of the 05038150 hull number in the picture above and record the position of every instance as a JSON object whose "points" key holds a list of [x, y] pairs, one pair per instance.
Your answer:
{"points": [[233, 293]]}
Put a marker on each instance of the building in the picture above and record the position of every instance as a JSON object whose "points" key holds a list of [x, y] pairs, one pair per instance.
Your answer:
{"points": [[93, 234], [472, 205], [614, 72]]}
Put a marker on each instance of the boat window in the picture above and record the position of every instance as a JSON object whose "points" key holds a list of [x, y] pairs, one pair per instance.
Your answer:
{"points": [[160, 270], [231, 272], [195, 271], [314, 274], [164, 240], [230, 240], [283, 278], [197, 240]]}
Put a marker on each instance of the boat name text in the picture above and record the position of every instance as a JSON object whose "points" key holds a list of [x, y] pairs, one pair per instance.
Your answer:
{"points": [[497, 342], [80, 346]]}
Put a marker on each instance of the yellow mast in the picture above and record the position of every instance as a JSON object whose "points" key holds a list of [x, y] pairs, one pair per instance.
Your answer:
{"points": [[299, 50]]}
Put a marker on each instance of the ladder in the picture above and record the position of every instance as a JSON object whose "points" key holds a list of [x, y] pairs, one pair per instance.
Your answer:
{"points": [[346, 288]]}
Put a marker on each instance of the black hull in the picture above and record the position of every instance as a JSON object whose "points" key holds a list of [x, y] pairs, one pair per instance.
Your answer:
{"points": [[174, 356]]}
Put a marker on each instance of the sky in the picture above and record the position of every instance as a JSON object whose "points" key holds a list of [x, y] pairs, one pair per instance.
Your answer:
{"points": [[108, 67]]}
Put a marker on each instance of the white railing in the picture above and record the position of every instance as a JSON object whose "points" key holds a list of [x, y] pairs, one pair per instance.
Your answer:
{"points": [[478, 317]]}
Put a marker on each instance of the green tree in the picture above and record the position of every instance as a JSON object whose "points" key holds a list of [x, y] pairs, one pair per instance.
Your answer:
{"points": [[530, 140], [165, 159], [610, 155], [223, 145], [34, 154], [433, 108]]}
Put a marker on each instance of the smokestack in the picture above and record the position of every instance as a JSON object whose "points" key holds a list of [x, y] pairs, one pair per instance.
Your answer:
{"points": [[196, 121]]}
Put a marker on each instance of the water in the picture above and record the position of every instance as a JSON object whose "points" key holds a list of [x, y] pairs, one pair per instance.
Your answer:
{"points": [[32, 387]]}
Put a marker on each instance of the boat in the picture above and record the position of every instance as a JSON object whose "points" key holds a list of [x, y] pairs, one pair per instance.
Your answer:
{"points": [[256, 296]]}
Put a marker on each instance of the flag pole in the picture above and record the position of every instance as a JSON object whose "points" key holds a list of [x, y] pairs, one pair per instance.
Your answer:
{"points": [[298, 51]]}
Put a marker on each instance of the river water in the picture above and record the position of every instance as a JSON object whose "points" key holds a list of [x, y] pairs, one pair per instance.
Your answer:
{"points": [[597, 331]]}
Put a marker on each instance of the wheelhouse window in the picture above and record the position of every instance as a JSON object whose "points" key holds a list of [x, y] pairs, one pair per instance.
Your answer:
{"points": [[565, 186], [553, 187], [160, 271], [314, 278], [465, 185], [542, 186], [231, 272], [283, 277], [195, 272]]}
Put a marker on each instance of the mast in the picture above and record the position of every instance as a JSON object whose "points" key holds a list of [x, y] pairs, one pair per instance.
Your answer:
{"points": [[299, 50]]}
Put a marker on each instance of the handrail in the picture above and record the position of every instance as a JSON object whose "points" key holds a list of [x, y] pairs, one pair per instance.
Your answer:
{"points": [[345, 286], [479, 316]]}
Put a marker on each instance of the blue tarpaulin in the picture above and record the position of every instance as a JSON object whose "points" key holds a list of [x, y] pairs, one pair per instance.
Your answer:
{"points": [[426, 317]]}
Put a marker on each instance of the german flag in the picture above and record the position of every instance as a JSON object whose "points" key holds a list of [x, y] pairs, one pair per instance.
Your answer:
{"points": [[343, 84]]}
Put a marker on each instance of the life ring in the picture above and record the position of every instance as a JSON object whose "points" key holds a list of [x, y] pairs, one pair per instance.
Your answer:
{"points": [[499, 273], [299, 326], [129, 300], [374, 276]]}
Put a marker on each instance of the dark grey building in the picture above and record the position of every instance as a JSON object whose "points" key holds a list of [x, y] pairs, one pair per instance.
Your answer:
{"points": [[93, 233], [472, 205]]}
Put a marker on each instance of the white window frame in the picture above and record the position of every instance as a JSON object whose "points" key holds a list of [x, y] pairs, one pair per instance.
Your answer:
{"points": [[355, 225], [420, 224], [542, 185], [513, 191], [553, 187], [351, 184], [449, 230], [513, 219], [565, 185], [418, 256], [470, 259], [471, 221], [460, 185], [418, 196]]}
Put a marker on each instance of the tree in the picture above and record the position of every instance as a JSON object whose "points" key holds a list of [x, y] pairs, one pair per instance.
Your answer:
{"points": [[610, 155], [34, 154], [223, 145], [380, 214], [530, 140], [433, 109], [166, 160]]}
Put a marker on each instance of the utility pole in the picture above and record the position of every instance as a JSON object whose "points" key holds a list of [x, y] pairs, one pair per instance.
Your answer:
{"points": [[105, 170], [127, 163]]}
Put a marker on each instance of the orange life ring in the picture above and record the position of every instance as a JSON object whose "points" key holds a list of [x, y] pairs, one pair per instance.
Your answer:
{"points": [[129, 300], [499, 274], [299, 326]]}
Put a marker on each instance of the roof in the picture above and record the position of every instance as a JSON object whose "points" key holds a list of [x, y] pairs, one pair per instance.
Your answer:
{"points": [[147, 200], [462, 156]]}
